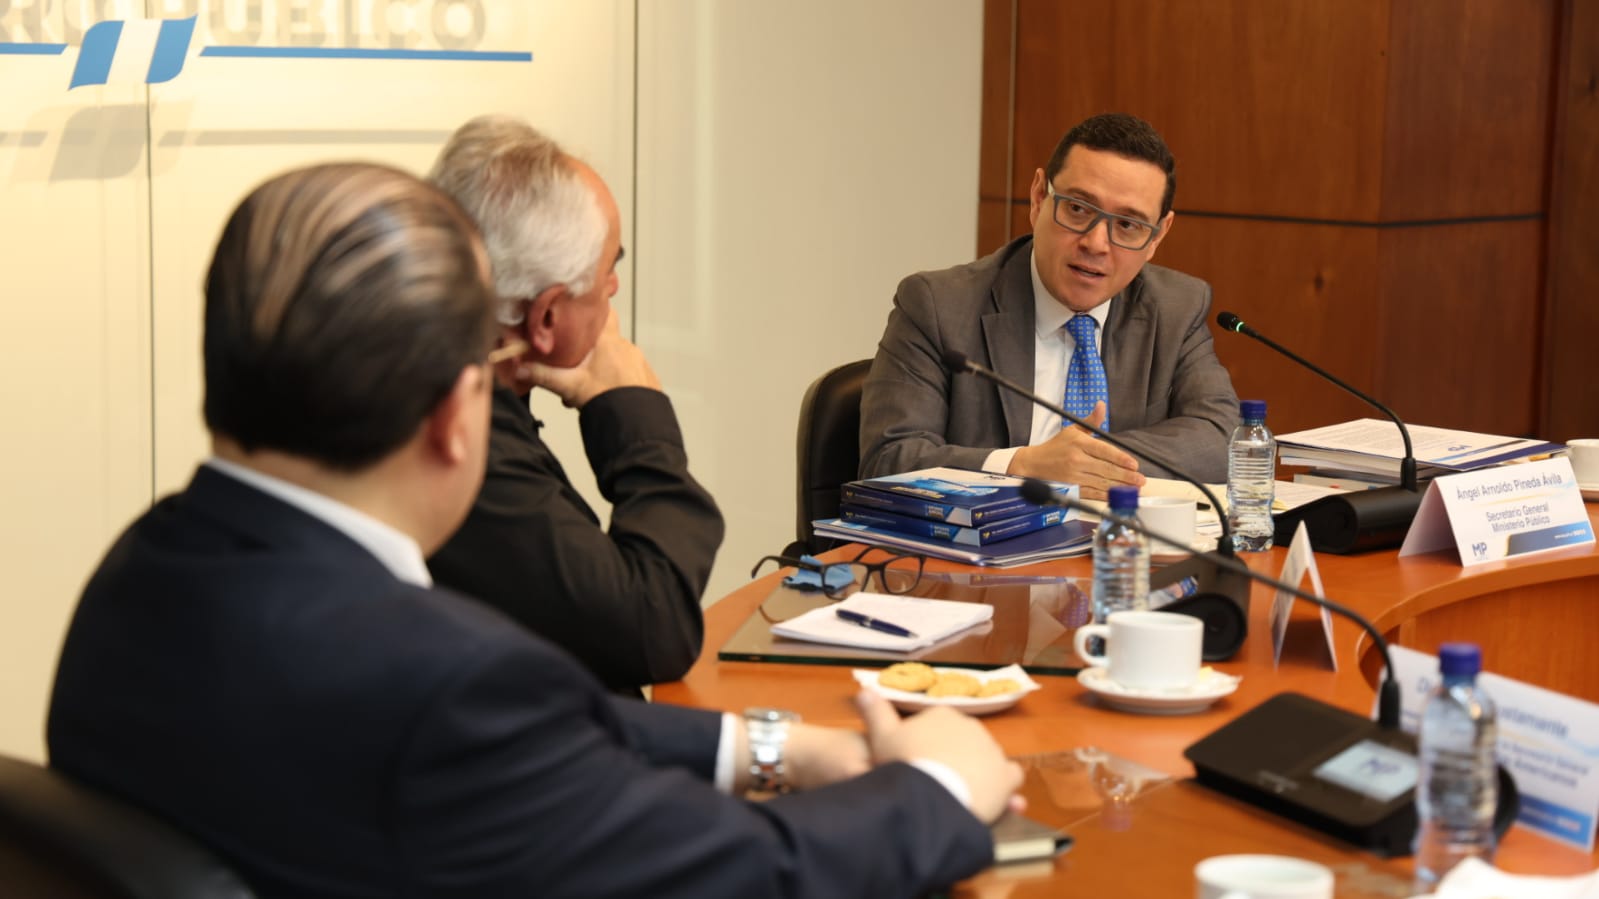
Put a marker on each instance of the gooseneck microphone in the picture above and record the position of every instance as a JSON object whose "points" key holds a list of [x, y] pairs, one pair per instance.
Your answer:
{"points": [[1388, 701], [1407, 464], [1220, 598], [1358, 521]]}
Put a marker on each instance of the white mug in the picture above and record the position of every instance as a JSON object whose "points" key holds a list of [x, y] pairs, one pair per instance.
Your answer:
{"points": [[1584, 460], [1261, 877], [1173, 516], [1145, 650]]}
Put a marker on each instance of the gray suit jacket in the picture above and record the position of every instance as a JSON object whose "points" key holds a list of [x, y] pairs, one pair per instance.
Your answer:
{"points": [[1168, 391]]}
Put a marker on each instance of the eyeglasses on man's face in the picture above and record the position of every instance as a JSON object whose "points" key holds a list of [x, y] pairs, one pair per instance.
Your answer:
{"points": [[1080, 217], [510, 350], [896, 572]]}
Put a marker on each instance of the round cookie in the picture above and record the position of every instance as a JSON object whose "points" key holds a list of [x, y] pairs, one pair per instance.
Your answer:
{"points": [[912, 677], [999, 686], [953, 684]]}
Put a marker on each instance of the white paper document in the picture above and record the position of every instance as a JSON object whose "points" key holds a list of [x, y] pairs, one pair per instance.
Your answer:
{"points": [[1292, 494], [1374, 445], [929, 620]]}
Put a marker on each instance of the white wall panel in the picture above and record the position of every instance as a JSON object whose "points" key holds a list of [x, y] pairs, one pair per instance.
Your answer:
{"points": [[229, 123], [795, 161], [74, 358], [112, 197]]}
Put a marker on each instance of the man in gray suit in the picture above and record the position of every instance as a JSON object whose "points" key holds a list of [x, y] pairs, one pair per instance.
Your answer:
{"points": [[1073, 309]]}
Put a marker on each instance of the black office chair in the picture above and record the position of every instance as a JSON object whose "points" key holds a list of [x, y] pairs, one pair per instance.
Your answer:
{"points": [[828, 449], [64, 840]]}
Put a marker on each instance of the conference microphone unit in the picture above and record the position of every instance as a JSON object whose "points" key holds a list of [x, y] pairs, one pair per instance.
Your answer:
{"points": [[1354, 522], [1322, 766], [1220, 599]]}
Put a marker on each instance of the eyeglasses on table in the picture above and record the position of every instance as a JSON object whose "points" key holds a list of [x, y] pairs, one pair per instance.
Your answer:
{"points": [[896, 572]]}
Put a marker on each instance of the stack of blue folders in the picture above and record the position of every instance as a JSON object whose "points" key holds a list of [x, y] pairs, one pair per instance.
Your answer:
{"points": [[967, 516]]}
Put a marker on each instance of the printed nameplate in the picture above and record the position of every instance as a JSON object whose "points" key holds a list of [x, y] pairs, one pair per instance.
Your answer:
{"points": [[1497, 513], [1548, 740]]}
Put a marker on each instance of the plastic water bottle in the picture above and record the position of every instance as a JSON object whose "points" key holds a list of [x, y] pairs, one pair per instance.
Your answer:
{"points": [[1251, 473], [1121, 559], [1457, 788]]}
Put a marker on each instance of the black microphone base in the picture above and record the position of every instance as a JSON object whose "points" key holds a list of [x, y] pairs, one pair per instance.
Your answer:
{"points": [[1355, 522], [1272, 757], [1221, 602]]}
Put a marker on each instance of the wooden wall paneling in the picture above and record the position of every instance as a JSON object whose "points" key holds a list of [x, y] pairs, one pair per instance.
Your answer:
{"points": [[1309, 122], [996, 129], [1570, 385], [1019, 224], [1309, 287], [1460, 311], [1467, 108], [1066, 71], [993, 219], [1271, 108], [1312, 288]]}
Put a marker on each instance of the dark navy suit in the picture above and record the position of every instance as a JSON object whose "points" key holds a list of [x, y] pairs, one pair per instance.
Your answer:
{"points": [[255, 676]]}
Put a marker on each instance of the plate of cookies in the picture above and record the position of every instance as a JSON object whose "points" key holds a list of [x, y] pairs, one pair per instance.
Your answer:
{"points": [[913, 686]]}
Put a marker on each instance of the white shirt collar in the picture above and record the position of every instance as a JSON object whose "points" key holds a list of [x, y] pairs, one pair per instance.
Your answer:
{"points": [[1050, 314], [397, 551]]}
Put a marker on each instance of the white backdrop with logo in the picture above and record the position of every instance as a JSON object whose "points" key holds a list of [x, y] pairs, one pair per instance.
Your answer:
{"points": [[779, 167]]}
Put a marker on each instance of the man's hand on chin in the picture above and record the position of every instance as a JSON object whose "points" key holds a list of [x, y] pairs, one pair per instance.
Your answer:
{"points": [[613, 362], [1075, 456]]}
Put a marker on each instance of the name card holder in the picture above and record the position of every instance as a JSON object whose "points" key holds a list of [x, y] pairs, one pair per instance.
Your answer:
{"points": [[1499, 513]]}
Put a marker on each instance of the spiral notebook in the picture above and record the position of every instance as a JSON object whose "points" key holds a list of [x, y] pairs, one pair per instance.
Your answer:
{"points": [[929, 621]]}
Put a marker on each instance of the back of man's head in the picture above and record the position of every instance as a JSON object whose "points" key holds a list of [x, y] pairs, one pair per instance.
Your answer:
{"points": [[342, 304], [1124, 135], [541, 223]]}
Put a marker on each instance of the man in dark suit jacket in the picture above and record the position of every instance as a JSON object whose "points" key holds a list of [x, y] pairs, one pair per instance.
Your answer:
{"points": [[1099, 210], [624, 600], [262, 661]]}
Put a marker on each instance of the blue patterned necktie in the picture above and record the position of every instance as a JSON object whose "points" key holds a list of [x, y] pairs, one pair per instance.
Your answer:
{"points": [[1085, 376]]}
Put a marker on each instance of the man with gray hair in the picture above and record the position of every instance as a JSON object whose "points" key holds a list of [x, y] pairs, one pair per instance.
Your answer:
{"points": [[263, 662], [624, 601]]}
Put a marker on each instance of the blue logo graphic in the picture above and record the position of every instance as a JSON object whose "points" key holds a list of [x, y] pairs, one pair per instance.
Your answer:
{"points": [[100, 49], [116, 50]]}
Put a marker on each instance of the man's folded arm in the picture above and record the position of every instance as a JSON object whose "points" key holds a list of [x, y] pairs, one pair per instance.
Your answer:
{"points": [[627, 602], [664, 530]]}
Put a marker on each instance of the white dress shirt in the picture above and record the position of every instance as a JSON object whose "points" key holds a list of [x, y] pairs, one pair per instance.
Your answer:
{"points": [[1052, 357]]}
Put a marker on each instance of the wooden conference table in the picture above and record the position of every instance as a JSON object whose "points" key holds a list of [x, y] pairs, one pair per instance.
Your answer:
{"points": [[1537, 620]]}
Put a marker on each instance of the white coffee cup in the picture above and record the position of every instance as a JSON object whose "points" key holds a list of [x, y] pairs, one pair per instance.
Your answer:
{"points": [[1262, 877], [1145, 650], [1584, 460], [1173, 516]]}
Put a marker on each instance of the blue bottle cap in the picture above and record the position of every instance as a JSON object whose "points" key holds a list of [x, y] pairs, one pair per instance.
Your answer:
{"points": [[1123, 499], [1458, 659], [1252, 410]]}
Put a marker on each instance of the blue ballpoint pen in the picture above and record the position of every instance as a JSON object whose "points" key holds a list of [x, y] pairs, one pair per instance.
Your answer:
{"points": [[876, 624]]}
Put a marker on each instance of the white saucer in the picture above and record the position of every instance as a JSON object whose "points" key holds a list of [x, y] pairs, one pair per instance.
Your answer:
{"points": [[1590, 492], [1164, 553], [1209, 687]]}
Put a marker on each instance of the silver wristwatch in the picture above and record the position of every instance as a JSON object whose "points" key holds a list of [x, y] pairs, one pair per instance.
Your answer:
{"points": [[767, 731]]}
